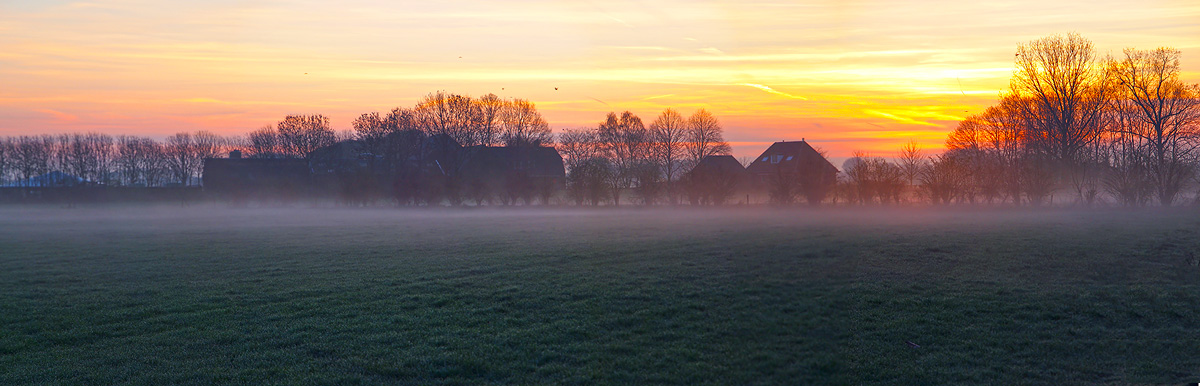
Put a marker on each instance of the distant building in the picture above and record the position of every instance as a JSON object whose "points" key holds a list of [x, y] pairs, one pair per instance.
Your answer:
{"points": [[512, 173], [344, 156], [715, 180], [249, 178], [788, 170], [55, 179], [434, 169]]}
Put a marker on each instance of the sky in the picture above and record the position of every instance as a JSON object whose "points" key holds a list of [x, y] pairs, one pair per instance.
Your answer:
{"points": [[844, 75]]}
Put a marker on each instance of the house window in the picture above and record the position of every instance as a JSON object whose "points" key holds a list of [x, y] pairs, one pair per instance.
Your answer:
{"points": [[765, 159], [775, 159], [789, 158]]}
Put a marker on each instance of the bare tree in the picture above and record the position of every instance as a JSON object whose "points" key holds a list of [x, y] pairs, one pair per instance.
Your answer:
{"points": [[668, 137], [1065, 91], [911, 160], [101, 148], [590, 181], [264, 143], [300, 135], [523, 125], [1164, 115], [457, 116], [371, 129], [138, 161], [75, 155], [434, 113], [1127, 178], [403, 140], [874, 177], [624, 140], [1004, 139], [32, 155], [578, 145], [6, 156], [128, 149], [208, 145], [943, 179], [60, 153], [403, 119], [491, 110], [85, 155], [182, 158], [465, 120], [705, 137]]}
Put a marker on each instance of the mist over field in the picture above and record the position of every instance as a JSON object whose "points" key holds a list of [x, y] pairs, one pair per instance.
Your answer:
{"points": [[214, 294], [599, 193]]}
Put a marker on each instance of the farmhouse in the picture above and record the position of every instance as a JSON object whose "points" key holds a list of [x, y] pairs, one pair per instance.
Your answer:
{"points": [[787, 170]]}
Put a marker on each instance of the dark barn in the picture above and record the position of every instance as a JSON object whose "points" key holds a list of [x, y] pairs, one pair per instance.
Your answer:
{"points": [[509, 174], [715, 180], [240, 179]]}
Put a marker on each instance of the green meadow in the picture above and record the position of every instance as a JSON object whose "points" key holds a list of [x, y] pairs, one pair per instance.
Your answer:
{"points": [[217, 295]]}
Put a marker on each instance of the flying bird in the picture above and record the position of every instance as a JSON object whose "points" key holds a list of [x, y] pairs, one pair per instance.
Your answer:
{"points": [[556, 89]]}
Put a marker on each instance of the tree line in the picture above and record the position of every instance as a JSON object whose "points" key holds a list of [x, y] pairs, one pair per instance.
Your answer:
{"points": [[126, 160], [96, 158], [619, 154], [623, 154], [1071, 127], [1122, 129]]}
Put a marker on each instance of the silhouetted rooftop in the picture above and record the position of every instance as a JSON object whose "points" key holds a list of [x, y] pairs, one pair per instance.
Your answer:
{"points": [[786, 153]]}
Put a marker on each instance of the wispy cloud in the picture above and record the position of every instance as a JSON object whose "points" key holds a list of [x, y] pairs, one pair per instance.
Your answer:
{"points": [[773, 91], [897, 118], [59, 115]]}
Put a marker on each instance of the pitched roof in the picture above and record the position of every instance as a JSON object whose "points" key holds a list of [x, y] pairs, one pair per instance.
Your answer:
{"points": [[720, 163], [344, 150], [538, 161], [787, 153]]}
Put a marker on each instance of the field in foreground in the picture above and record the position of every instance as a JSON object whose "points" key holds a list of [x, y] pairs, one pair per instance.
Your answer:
{"points": [[324, 296]]}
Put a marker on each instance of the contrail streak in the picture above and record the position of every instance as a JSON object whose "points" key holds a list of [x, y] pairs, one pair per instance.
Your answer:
{"points": [[771, 90]]}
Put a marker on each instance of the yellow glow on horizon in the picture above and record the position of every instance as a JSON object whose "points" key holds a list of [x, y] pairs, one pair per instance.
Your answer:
{"points": [[846, 76]]}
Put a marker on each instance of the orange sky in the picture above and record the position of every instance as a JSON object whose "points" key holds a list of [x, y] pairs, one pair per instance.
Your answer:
{"points": [[845, 75]]}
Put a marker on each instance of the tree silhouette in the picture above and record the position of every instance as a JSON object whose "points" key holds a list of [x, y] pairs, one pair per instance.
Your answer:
{"points": [[1163, 116], [668, 137], [523, 125], [624, 140], [299, 135], [705, 136]]}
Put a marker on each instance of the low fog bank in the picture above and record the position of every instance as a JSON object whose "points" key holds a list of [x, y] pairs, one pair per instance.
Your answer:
{"points": [[906, 245], [110, 218]]}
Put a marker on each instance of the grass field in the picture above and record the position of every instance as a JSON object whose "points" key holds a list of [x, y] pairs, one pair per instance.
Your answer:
{"points": [[345, 296]]}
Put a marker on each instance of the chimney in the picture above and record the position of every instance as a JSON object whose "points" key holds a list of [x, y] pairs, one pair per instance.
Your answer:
{"points": [[236, 154]]}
